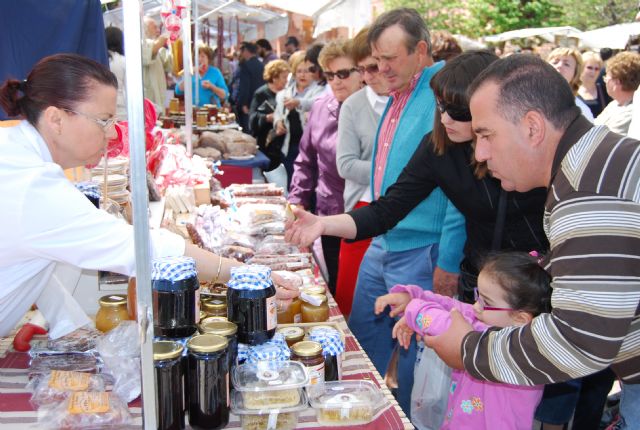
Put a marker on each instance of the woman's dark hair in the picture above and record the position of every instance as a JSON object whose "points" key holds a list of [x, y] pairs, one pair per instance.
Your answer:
{"points": [[450, 86], [61, 80], [526, 284], [115, 40], [312, 54]]}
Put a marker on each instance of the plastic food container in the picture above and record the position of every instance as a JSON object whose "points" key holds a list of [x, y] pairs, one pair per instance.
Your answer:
{"points": [[346, 403], [267, 418], [270, 384]]}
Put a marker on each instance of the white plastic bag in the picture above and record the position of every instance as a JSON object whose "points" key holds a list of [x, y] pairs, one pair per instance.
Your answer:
{"points": [[120, 350], [432, 379]]}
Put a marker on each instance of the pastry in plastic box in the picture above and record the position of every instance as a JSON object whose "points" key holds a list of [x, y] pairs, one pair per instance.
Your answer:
{"points": [[347, 403], [85, 409], [268, 418], [270, 384], [59, 384]]}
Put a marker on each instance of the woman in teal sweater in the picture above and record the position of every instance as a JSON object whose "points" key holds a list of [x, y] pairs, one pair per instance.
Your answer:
{"points": [[212, 88]]}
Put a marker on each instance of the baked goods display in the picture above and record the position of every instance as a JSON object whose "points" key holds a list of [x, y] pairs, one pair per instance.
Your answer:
{"points": [[270, 384], [285, 418]]}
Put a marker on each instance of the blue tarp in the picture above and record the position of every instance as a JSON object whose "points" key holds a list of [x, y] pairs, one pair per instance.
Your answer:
{"points": [[33, 29]]}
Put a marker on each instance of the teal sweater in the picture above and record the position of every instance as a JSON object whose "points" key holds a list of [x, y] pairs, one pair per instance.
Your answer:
{"points": [[435, 220]]}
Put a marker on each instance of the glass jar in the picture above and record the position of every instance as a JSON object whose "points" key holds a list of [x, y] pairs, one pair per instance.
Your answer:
{"points": [[174, 105], [176, 298], [208, 381], [214, 307], [169, 371], [132, 298], [332, 348], [292, 314], [202, 118], [313, 313], [292, 335], [309, 353], [315, 289], [226, 329], [251, 303], [112, 311]]}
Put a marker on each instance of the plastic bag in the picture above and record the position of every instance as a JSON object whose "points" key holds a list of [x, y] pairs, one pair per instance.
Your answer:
{"points": [[120, 351], [430, 394], [59, 384], [85, 410]]}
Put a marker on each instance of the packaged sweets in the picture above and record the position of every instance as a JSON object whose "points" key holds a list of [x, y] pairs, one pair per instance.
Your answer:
{"points": [[347, 403], [59, 384], [285, 418], [85, 409]]}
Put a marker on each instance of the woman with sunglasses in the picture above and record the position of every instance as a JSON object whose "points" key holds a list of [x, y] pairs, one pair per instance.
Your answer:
{"points": [[67, 105], [292, 107], [315, 171], [495, 219]]}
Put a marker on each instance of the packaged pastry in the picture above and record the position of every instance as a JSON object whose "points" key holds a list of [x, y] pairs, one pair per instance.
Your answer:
{"points": [[59, 384], [347, 403], [43, 363], [85, 409], [268, 418], [270, 384]]}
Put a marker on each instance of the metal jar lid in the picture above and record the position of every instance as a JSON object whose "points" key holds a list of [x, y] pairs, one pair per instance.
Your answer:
{"points": [[307, 348], [221, 328], [207, 343], [214, 305], [166, 350], [113, 300], [291, 333]]}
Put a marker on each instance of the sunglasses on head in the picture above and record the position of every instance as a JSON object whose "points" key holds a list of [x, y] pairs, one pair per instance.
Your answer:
{"points": [[342, 73], [456, 113], [372, 69], [312, 69]]}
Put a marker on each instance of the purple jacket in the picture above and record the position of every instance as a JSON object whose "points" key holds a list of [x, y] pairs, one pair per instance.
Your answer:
{"points": [[315, 168]]}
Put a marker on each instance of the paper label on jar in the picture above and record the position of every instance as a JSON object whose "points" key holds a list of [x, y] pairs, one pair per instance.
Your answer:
{"points": [[316, 374], [88, 403], [272, 313], [197, 305], [69, 381], [297, 318]]}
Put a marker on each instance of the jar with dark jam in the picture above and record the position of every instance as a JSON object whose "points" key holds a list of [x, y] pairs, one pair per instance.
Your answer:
{"points": [[251, 303], [309, 353], [208, 382], [169, 371], [332, 346], [222, 328], [176, 299]]}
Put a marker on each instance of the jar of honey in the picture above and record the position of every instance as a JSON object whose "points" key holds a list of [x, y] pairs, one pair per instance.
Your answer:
{"points": [[202, 118], [113, 310], [292, 314], [315, 313], [174, 105]]}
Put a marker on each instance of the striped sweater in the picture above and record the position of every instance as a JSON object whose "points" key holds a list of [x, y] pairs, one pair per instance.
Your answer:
{"points": [[592, 220]]}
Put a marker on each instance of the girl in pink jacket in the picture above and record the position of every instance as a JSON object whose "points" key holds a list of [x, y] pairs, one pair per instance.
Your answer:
{"points": [[512, 289]]}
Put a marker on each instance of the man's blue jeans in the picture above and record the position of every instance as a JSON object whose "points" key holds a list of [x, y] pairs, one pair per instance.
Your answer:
{"points": [[379, 271]]}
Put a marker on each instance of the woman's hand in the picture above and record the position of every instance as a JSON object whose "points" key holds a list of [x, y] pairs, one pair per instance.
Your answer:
{"points": [[207, 85], [280, 128], [304, 229], [403, 333], [397, 301], [269, 118], [286, 291], [291, 103]]}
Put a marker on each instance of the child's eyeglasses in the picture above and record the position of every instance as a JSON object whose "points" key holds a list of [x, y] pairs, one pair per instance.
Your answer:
{"points": [[342, 74], [456, 113], [483, 307]]}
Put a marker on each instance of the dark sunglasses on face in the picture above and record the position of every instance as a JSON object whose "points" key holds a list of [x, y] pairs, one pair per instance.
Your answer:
{"points": [[342, 74], [311, 69], [372, 69], [456, 113]]}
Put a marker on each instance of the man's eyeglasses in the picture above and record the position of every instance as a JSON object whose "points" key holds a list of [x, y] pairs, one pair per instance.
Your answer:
{"points": [[456, 113], [371, 69], [312, 69], [342, 74], [104, 123], [480, 301]]}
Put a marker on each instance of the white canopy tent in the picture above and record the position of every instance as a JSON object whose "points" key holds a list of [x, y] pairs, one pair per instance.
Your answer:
{"points": [[614, 36], [546, 33]]}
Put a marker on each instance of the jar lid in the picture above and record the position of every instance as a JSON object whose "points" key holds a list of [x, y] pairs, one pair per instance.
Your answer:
{"points": [[214, 318], [113, 300], [89, 189], [319, 297], [331, 343], [207, 343], [291, 333], [222, 328], [214, 305], [250, 277], [315, 289], [173, 268], [307, 348], [166, 350], [264, 352]]}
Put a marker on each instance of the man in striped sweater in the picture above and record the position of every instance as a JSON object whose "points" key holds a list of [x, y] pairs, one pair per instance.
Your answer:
{"points": [[531, 134]]}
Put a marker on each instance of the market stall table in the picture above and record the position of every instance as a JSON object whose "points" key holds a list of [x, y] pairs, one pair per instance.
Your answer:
{"points": [[243, 170], [16, 413]]}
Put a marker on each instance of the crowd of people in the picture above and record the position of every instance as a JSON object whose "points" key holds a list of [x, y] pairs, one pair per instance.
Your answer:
{"points": [[487, 204]]}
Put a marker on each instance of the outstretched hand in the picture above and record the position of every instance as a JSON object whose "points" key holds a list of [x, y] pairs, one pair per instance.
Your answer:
{"points": [[448, 345], [403, 333], [397, 301], [304, 228]]}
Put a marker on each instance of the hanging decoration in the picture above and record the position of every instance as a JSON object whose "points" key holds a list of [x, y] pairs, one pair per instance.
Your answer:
{"points": [[172, 14]]}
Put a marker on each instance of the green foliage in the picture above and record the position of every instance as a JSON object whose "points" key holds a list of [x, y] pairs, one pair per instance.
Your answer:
{"points": [[477, 18]]}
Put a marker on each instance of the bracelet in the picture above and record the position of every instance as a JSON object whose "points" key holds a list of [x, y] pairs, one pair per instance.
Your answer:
{"points": [[215, 281]]}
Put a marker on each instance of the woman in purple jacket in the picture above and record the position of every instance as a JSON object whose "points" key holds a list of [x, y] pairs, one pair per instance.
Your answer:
{"points": [[315, 170]]}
